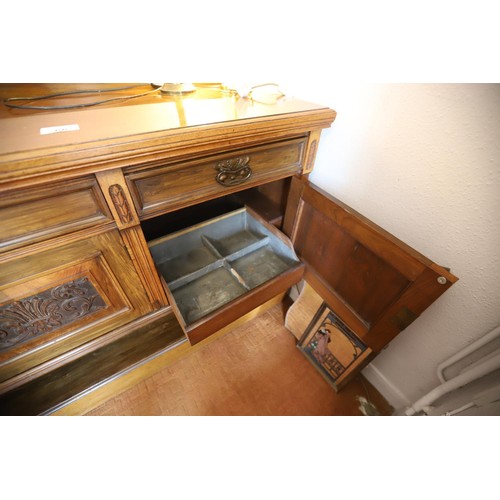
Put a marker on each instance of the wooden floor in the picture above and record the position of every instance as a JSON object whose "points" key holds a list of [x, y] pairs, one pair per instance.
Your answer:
{"points": [[254, 369]]}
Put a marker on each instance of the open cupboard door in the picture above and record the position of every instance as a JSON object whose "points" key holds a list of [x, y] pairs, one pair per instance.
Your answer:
{"points": [[376, 284]]}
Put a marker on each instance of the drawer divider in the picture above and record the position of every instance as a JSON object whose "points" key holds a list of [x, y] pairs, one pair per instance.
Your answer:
{"points": [[220, 262], [252, 247], [206, 241], [184, 280]]}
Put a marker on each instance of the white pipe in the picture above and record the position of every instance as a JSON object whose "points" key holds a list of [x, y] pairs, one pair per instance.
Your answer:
{"points": [[464, 378], [460, 410], [466, 351]]}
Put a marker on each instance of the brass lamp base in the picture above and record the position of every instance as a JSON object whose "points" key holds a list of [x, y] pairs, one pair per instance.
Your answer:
{"points": [[177, 88]]}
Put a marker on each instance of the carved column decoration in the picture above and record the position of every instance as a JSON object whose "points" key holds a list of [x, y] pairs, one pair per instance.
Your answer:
{"points": [[312, 155], [121, 203]]}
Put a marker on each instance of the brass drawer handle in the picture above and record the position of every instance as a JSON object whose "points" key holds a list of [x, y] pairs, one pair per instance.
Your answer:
{"points": [[234, 171]]}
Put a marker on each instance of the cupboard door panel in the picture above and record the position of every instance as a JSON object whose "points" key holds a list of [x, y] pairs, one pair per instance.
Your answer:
{"points": [[374, 281], [55, 300], [356, 272]]}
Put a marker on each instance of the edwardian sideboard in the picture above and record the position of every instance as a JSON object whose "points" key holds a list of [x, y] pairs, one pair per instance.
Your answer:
{"points": [[146, 225]]}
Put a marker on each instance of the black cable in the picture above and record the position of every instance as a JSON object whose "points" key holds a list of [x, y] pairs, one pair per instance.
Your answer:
{"points": [[6, 102]]}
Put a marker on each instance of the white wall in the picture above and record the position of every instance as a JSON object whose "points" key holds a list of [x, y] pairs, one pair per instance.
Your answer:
{"points": [[422, 161]]}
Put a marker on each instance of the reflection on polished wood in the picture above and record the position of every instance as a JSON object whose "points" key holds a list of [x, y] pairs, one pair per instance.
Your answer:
{"points": [[58, 387], [152, 113]]}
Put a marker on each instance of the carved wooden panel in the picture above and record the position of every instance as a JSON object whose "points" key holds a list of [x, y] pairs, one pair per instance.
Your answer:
{"points": [[54, 300], [47, 311]]}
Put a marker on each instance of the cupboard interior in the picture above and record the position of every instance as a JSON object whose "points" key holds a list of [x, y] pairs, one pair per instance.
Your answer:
{"points": [[268, 200], [215, 252]]}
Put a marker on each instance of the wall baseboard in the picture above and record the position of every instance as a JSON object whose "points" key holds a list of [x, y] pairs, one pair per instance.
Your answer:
{"points": [[391, 393]]}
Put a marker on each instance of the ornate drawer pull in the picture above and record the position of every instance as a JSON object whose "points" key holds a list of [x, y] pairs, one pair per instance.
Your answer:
{"points": [[233, 172]]}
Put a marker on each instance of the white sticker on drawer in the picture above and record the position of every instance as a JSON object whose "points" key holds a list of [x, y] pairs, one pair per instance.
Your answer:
{"points": [[59, 128]]}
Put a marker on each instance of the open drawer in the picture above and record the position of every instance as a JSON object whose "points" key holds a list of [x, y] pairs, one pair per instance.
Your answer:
{"points": [[219, 270]]}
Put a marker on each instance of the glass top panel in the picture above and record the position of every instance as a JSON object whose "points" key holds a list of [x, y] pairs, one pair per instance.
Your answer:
{"points": [[24, 130]]}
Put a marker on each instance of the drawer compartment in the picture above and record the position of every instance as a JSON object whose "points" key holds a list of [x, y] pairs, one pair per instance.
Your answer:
{"points": [[40, 213], [163, 189], [218, 270]]}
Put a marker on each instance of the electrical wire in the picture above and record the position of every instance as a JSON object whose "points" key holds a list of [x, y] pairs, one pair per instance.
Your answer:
{"points": [[7, 102]]}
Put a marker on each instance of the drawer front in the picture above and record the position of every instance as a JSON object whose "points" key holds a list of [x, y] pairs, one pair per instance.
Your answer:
{"points": [[167, 188], [225, 315], [36, 214], [55, 300]]}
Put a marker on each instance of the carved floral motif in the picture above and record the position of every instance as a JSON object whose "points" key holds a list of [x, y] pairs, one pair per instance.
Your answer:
{"points": [[121, 203], [47, 311]]}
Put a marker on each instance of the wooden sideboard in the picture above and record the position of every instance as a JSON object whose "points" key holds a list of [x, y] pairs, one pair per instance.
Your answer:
{"points": [[86, 192]]}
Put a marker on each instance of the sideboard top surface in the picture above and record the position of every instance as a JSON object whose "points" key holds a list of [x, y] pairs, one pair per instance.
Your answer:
{"points": [[130, 127]]}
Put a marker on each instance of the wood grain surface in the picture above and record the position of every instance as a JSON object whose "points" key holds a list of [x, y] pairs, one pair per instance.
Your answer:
{"points": [[255, 369]]}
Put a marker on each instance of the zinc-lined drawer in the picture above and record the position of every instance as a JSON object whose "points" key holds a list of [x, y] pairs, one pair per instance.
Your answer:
{"points": [[219, 270], [39, 213], [166, 188]]}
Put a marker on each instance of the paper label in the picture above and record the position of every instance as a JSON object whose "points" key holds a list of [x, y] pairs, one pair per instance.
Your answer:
{"points": [[59, 128]]}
